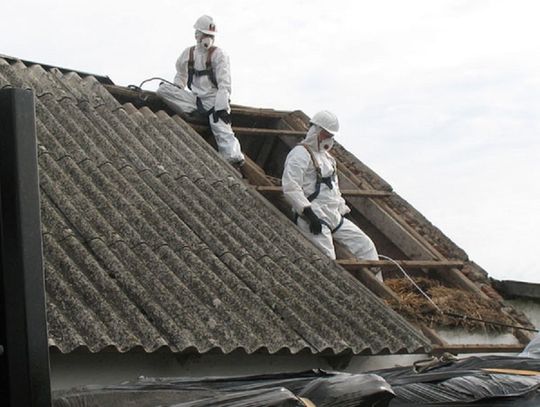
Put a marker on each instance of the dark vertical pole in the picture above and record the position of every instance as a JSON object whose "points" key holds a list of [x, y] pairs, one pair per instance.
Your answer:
{"points": [[23, 330]]}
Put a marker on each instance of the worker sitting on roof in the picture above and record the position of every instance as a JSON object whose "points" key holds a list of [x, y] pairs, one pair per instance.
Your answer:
{"points": [[310, 185], [205, 70]]}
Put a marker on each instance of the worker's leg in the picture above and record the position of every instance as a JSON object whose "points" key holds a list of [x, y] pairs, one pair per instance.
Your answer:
{"points": [[357, 242], [179, 100], [323, 240], [228, 144]]}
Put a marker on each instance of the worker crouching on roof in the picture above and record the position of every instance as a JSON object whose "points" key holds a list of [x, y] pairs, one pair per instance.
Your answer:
{"points": [[205, 70], [310, 185]]}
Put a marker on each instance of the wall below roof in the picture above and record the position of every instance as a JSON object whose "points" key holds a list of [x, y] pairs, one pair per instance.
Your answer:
{"points": [[461, 337], [106, 368], [531, 308], [76, 369]]}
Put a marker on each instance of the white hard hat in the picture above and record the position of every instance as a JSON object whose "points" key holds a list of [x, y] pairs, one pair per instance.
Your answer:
{"points": [[206, 25], [327, 120]]}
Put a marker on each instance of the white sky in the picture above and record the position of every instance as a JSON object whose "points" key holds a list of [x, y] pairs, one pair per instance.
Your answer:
{"points": [[440, 97]]}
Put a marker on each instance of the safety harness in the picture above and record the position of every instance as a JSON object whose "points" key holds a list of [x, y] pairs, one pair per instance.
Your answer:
{"points": [[205, 72], [320, 180], [209, 71]]}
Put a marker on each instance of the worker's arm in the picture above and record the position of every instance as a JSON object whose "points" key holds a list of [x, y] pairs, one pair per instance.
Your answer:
{"points": [[222, 70], [296, 165], [181, 76]]}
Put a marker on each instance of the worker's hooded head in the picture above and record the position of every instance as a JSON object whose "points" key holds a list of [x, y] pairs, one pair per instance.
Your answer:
{"points": [[205, 30], [324, 126]]}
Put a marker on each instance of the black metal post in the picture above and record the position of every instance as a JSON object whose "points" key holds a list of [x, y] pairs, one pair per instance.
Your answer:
{"points": [[24, 363]]}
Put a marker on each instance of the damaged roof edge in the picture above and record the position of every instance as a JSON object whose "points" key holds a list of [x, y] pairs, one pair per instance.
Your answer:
{"points": [[517, 289]]}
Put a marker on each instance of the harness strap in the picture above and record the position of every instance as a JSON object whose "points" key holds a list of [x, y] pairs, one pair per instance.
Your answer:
{"points": [[313, 159], [340, 224], [324, 180], [201, 110], [211, 74], [320, 179], [191, 67], [205, 72]]}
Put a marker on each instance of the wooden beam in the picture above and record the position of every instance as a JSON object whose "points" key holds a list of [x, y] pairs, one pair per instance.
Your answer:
{"points": [[255, 174], [258, 112], [372, 193], [353, 264], [455, 349], [346, 192], [367, 278], [127, 94], [519, 372], [390, 227], [249, 131]]}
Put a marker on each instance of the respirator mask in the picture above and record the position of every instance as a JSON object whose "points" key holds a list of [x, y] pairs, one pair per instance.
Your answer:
{"points": [[207, 42], [326, 144]]}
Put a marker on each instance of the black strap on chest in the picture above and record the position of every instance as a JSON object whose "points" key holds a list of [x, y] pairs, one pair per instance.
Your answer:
{"points": [[320, 179], [205, 72]]}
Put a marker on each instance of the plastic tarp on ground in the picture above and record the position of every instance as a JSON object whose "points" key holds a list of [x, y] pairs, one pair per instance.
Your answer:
{"points": [[533, 348], [484, 381], [319, 388]]}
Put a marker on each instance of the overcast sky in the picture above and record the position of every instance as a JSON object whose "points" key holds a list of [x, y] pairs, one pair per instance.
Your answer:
{"points": [[440, 97]]}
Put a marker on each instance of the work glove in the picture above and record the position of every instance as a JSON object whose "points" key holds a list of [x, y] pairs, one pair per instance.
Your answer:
{"points": [[315, 225], [223, 115]]}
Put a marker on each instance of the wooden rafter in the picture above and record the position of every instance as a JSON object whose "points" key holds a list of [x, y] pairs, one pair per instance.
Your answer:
{"points": [[351, 265], [254, 131], [345, 192]]}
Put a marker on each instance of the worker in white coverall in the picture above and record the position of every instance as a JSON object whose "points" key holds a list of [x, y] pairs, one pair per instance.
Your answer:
{"points": [[204, 69], [310, 185]]}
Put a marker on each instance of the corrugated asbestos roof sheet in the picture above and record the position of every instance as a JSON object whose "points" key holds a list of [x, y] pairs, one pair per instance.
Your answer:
{"points": [[151, 240]]}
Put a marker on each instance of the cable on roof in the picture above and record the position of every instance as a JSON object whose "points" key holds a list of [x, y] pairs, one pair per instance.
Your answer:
{"points": [[453, 314], [140, 90]]}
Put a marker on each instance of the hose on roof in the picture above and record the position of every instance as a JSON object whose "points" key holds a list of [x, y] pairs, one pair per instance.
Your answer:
{"points": [[453, 314], [139, 88]]}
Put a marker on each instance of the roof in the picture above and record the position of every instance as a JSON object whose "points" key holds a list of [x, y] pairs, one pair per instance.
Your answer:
{"points": [[518, 289], [152, 241]]}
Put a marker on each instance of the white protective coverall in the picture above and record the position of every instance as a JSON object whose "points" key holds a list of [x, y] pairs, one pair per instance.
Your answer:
{"points": [[182, 100], [299, 182]]}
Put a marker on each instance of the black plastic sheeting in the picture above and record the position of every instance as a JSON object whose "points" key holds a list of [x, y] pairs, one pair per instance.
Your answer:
{"points": [[447, 369], [466, 381], [323, 389], [446, 383], [348, 391], [278, 397]]}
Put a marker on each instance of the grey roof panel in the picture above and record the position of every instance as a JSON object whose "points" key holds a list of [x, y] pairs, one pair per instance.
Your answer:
{"points": [[151, 240]]}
